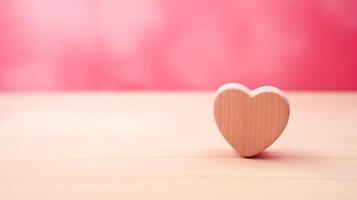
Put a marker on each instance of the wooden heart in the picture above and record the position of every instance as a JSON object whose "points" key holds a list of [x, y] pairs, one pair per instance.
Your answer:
{"points": [[250, 120]]}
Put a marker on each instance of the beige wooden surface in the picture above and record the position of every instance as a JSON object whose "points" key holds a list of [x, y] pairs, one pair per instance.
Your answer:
{"points": [[166, 146]]}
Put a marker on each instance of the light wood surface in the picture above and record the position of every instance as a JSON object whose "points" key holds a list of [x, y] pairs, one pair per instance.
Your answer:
{"points": [[167, 146], [250, 121]]}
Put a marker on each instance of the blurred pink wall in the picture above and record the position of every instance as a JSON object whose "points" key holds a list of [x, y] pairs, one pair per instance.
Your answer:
{"points": [[177, 44]]}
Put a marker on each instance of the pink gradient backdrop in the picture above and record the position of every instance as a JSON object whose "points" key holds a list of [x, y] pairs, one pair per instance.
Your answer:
{"points": [[177, 44]]}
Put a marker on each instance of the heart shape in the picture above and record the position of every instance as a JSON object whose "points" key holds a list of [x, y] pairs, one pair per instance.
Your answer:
{"points": [[250, 120]]}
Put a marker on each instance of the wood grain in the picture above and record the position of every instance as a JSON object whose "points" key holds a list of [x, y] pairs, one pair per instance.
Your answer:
{"points": [[167, 146], [250, 120]]}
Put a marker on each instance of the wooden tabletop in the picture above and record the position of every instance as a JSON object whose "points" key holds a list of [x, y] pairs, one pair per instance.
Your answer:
{"points": [[151, 145]]}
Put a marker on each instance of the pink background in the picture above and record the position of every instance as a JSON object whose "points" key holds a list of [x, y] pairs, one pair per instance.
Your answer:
{"points": [[177, 44]]}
